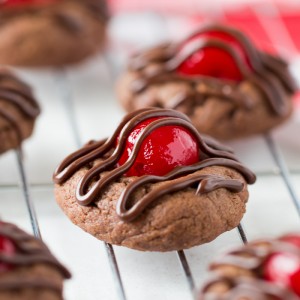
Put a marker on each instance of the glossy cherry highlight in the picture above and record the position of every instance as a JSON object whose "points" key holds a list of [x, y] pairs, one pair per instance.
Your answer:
{"points": [[7, 247], [284, 269], [213, 61], [162, 150]]}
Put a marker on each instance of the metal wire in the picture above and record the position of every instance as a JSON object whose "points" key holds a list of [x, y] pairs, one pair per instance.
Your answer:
{"points": [[283, 35], [186, 268], [277, 156], [66, 96], [27, 198], [115, 271], [68, 103], [242, 234]]}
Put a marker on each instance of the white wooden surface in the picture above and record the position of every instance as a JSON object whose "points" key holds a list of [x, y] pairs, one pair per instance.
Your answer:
{"points": [[88, 90]]}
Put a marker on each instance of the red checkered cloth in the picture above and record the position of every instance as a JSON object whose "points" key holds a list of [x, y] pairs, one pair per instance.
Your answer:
{"points": [[273, 25]]}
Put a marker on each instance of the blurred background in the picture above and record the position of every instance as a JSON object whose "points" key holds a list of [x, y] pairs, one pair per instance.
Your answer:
{"points": [[79, 104], [273, 25], [269, 23]]}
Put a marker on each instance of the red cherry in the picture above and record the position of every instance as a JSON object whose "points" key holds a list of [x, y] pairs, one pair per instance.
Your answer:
{"points": [[7, 247], [292, 239], [163, 149], [214, 61], [284, 269], [16, 3]]}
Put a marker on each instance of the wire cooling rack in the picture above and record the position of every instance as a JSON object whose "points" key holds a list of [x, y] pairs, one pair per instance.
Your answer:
{"points": [[79, 105]]}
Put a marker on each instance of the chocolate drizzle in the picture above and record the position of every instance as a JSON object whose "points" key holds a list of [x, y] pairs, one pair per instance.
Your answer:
{"points": [[251, 259], [269, 73], [247, 288], [93, 183], [18, 94], [29, 252]]}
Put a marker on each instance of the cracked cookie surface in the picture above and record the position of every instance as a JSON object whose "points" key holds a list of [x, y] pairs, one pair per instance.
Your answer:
{"points": [[175, 221]]}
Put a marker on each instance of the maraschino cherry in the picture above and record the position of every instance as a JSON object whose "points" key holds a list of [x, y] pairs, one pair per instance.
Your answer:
{"points": [[292, 239], [283, 268], [162, 150], [8, 248], [17, 3], [213, 61]]}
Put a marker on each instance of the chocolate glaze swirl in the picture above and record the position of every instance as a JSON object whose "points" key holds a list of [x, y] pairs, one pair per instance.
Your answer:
{"points": [[250, 258], [18, 94], [29, 252], [269, 73], [93, 183]]}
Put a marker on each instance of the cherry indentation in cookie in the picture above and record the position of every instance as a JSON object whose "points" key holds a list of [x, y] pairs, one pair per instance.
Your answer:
{"points": [[7, 247], [17, 3], [162, 150], [213, 61], [292, 239], [284, 269]]}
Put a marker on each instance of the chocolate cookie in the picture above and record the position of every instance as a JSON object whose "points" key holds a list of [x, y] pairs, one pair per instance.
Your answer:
{"points": [[227, 87], [51, 32], [155, 185], [265, 270], [28, 270], [18, 111]]}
